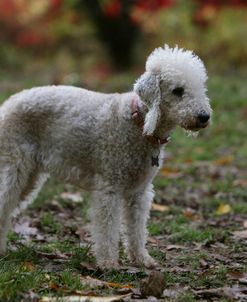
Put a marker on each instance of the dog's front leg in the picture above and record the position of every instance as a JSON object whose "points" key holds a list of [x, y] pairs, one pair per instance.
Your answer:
{"points": [[105, 226], [136, 213]]}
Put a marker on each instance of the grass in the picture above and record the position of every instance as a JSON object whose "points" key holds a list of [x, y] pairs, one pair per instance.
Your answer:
{"points": [[210, 168]]}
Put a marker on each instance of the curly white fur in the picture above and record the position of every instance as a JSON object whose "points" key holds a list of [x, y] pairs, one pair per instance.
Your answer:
{"points": [[90, 140]]}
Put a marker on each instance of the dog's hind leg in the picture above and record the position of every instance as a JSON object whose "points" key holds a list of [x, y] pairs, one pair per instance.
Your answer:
{"points": [[135, 215], [10, 189], [15, 181], [35, 182], [105, 215]]}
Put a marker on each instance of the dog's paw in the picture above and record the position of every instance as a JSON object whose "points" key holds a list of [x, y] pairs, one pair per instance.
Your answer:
{"points": [[109, 264], [149, 262], [145, 260]]}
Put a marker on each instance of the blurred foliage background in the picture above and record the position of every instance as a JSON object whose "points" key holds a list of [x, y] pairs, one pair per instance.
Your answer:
{"points": [[85, 42]]}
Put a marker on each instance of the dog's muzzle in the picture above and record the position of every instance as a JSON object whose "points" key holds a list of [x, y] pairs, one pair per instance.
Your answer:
{"points": [[200, 121], [203, 118]]}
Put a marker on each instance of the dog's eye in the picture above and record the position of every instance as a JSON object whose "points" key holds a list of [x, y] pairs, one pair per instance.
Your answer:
{"points": [[178, 91]]}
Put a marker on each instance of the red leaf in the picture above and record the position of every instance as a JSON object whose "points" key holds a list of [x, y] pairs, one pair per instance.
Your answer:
{"points": [[113, 9], [153, 5]]}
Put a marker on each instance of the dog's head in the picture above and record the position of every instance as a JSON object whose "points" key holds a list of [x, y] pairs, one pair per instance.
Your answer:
{"points": [[173, 88]]}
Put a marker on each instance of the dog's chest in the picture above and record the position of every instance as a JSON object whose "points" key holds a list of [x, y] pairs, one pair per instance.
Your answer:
{"points": [[132, 163], [144, 166]]}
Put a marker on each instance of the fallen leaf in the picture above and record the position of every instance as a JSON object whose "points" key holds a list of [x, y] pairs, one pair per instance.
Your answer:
{"points": [[220, 258], [88, 266], [232, 293], [203, 263], [117, 285], [92, 283], [170, 172], [235, 274], [224, 160], [25, 230], [199, 150], [84, 293], [31, 296], [160, 207], [55, 255], [178, 270], [191, 214], [240, 276], [175, 247], [188, 161], [132, 270], [82, 232], [174, 292], [240, 182], [223, 209], [245, 224], [243, 280], [152, 240], [84, 298], [29, 266], [240, 234], [76, 197], [54, 286]]}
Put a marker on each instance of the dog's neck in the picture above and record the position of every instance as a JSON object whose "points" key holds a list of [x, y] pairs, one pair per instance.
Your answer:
{"points": [[163, 130], [164, 127]]}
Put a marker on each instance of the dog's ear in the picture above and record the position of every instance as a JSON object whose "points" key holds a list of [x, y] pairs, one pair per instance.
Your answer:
{"points": [[148, 89]]}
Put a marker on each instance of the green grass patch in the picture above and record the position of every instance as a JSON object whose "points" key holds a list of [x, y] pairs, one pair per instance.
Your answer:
{"points": [[212, 278], [189, 235], [49, 223]]}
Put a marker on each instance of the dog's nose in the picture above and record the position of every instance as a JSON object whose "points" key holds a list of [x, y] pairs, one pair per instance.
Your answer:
{"points": [[203, 117]]}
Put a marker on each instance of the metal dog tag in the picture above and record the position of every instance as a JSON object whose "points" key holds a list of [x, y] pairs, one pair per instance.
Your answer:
{"points": [[155, 161]]}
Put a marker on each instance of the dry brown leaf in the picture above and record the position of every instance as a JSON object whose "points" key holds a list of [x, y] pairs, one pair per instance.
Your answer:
{"points": [[54, 286], [232, 293], [92, 283], [25, 230], [240, 234], [29, 266], [235, 274], [203, 263], [223, 208], [84, 298], [152, 240], [174, 292], [243, 280], [131, 269], [75, 197], [199, 150], [224, 160], [55, 255], [240, 183], [160, 207], [240, 276], [117, 285], [82, 232], [88, 266], [190, 214], [175, 247], [170, 172]]}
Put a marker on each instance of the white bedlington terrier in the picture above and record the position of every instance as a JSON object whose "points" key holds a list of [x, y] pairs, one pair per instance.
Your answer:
{"points": [[108, 144]]}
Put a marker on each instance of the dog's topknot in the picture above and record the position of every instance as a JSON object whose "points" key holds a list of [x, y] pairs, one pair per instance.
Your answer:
{"points": [[165, 59]]}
